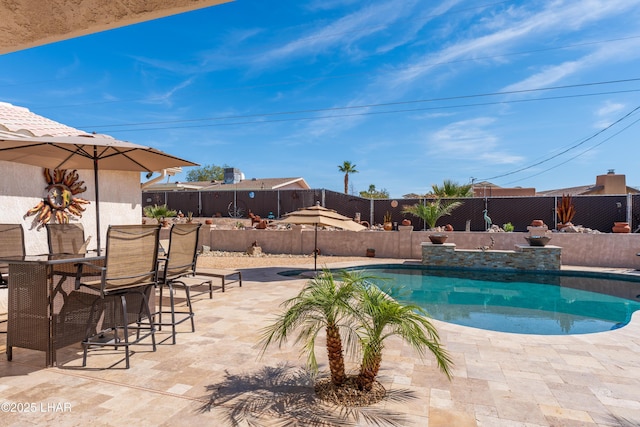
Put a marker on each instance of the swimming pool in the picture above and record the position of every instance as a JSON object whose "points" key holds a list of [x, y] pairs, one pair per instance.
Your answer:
{"points": [[524, 303]]}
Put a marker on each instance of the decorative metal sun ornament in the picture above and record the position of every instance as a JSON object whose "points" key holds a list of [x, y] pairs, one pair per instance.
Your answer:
{"points": [[59, 201]]}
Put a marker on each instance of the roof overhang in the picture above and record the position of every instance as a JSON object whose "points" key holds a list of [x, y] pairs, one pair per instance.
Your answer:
{"points": [[28, 23]]}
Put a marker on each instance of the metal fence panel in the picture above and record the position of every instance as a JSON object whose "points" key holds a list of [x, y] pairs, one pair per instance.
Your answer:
{"points": [[597, 212]]}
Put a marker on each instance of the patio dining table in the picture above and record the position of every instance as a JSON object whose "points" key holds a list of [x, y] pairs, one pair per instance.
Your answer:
{"points": [[45, 311]]}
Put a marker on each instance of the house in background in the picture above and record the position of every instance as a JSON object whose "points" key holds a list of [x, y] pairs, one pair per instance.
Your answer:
{"points": [[488, 189], [611, 183], [234, 180]]}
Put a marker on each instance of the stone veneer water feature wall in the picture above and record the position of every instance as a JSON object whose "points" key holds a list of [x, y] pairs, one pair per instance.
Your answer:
{"points": [[524, 257]]}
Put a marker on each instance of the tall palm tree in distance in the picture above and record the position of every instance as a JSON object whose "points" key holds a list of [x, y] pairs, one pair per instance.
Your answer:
{"points": [[347, 168]]}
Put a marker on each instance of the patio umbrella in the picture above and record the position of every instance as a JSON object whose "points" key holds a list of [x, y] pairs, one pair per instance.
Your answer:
{"points": [[320, 217], [86, 152]]}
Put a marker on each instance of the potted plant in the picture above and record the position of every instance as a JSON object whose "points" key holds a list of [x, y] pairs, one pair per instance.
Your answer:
{"points": [[430, 212], [160, 213], [565, 211], [387, 224], [508, 227]]}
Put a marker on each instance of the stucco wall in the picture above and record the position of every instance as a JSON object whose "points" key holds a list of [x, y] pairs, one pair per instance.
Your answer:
{"points": [[602, 250], [22, 187]]}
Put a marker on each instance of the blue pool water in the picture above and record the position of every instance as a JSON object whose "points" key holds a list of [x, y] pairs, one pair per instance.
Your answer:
{"points": [[524, 303]]}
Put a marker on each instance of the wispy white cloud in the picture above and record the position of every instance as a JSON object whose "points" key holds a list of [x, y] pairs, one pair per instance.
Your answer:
{"points": [[340, 34], [328, 4], [508, 29], [166, 96], [470, 140], [68, 69], [605, 55], [607, 113]]}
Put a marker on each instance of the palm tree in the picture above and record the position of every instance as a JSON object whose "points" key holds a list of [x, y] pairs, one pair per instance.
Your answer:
{"points": [[323, 303], [450, 188], [383, 317], [430, 212], [347, 168]]}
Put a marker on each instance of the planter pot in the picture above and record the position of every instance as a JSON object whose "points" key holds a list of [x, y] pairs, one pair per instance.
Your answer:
{"points": [[371, 253], [406, 222], [448, 227], [537, 240], [561, 226], [208, 221], [388, 226], [621, 227], [537, 223], [438, 239]]}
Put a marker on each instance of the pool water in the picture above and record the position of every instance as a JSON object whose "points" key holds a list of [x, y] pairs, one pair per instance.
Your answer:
{"points": [[521, 303]]}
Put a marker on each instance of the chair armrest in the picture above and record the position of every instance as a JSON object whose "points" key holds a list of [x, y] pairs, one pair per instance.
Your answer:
{"points": [[80, 271]]}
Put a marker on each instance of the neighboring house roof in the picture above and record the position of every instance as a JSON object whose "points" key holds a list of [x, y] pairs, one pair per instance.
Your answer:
{"points": [[610, 183], [244, 185], [19, 120], [584, 190], [572, 191], [489, 189]]}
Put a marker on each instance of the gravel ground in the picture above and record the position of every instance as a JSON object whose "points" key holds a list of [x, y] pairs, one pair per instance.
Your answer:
{"points": [[235, 260]]}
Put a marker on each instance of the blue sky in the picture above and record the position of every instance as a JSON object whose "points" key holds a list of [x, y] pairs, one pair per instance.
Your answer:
{"points": [[521, 93]]}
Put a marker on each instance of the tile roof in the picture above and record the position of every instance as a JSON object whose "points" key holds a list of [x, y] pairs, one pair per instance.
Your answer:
{"points": [[252, 184], [20, 120]]}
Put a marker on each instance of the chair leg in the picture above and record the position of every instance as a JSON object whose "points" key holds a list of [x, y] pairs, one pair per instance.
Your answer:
{"points": [[160, 308], [173, 312], [191, 314], [152, 324], [86, 343], [125, 322]]}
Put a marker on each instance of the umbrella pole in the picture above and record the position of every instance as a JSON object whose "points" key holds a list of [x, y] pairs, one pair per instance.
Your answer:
{"points": [[95, 181], [315, 250]]}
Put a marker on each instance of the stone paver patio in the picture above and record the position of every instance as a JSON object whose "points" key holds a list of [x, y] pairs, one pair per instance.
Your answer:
{"points": [[499, 379]]}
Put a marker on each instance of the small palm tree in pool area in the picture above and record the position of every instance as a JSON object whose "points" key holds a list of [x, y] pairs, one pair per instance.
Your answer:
{"points": [[323, 304], [382, 317], [355, 307]]}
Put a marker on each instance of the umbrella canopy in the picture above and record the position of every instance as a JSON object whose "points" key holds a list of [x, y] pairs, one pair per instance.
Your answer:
{"points": [[320, 216], [86, 152], [82, 151]]}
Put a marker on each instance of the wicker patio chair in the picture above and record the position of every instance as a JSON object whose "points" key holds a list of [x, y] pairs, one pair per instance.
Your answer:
{"points": [[129, 273], [179, 271], [11, 244], [66, 239]]}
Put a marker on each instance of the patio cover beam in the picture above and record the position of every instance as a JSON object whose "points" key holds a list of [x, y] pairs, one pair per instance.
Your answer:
{"points": [[29, 23]]}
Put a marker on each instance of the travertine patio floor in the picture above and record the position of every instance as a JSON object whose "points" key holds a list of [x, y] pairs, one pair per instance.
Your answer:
{"points": [[499, 379]]}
